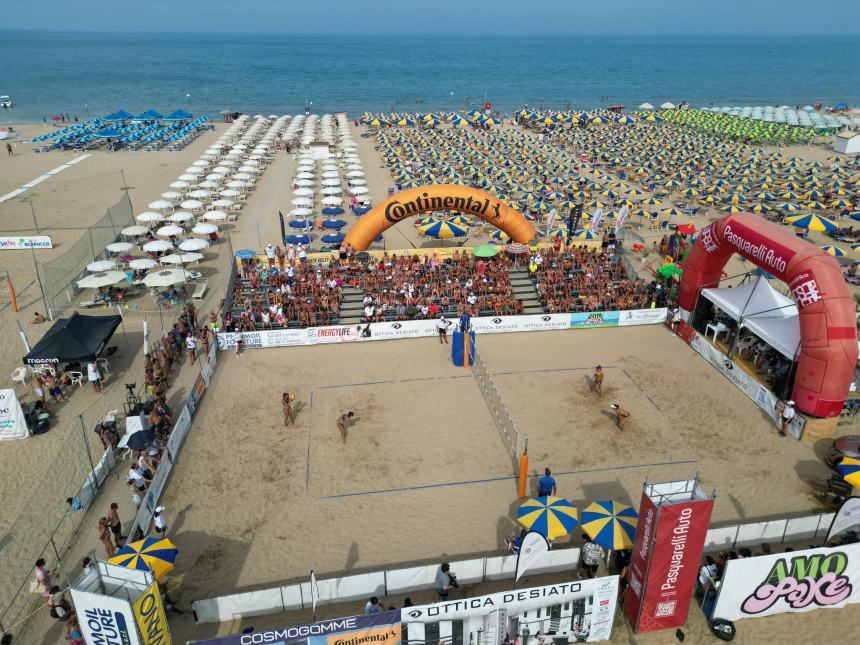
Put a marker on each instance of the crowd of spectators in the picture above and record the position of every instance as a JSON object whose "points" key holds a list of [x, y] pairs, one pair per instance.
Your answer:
{"points": [[270, 293], [587, 279]]}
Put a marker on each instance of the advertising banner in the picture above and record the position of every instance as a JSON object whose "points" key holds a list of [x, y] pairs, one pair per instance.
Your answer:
{"points": [[105, 620], [376, 629], [150, 617], [13, 425], [639, 558], [533, 546], [847, 517], [632, 317], [763, 397], [678, 540], [25, 242], [591, 319], [591, 622], [792, 582]]}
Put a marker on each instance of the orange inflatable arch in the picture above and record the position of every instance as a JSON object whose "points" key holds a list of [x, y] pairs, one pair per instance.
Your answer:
{"points": [[439, 197], [828, 332]]}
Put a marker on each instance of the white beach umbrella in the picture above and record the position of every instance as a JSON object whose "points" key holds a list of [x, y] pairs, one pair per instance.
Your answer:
{"points": [[359, 190], [235, 184], [157, 246], [214, 150], [355, 173], [215, 216], [98, 280], [211, 184], [226, 163], [191, 204], [171, 195], [250, 170], [302, 201], [668, 105], [252, 162], [304, 192], [357, 182], [142, 264], [194, 244], [181, 258], [170, 230], [180, 184], [119, 247], [330, 182], [148, 216], [204, 228], [195, 170], [200, 194], [223, 203], [646, 106], [180, 216], [214, 177], [230, 192], [160, 205], [220, 170], [187, 178], [101, 265], [242, 176], [200, 163], [331, 174], [332, 190], [304, 183], [166, 277], [301, 212], [134, 231], [305, 175], [332, 201]]}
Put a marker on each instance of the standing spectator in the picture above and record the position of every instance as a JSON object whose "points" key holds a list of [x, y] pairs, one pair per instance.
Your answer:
{"points": [[114, 522], [546, 484], [39, 388], [270, 255], [591, 555], [372, 607], [709, 570], [159, 522], [442, 326], [88, 566], [44, 579], [136, 493], [138, 478], [191, 346], [104, 536], [787, 417], [94, 377], [445, 581]]}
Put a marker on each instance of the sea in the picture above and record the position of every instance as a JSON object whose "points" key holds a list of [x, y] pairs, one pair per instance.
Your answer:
{"points": [[90, 74]]}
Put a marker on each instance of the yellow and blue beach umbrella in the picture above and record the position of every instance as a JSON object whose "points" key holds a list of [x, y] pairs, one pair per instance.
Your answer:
{"points": [[610, 524], [458, 120], [150, 554], [550, 516], [405, 121], [426, 220], [584, 234], [499, 234], [461, 220], [443, 229], [812, 222], [835, 251], [849, 468], [377, 123]]}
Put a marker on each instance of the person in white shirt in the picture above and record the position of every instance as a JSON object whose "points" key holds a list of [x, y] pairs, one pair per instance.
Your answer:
{"points": [[708, 571], [472, 299], [291, 254], [191, 346], [159, 522], [94, 377], [368, 312], [788, 413], [303, 254], [270, 254], [442, 327]]}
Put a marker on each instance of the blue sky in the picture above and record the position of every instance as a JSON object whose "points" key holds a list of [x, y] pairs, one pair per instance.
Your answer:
{"points": [[440, 16]]}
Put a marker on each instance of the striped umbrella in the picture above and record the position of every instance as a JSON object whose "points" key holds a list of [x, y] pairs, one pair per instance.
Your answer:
{"points": [[443, 229], [550, 516], [584, 234], [812, 222], [610, 524], [849, 468], [500, 235], [149, 554], [835, 251]]}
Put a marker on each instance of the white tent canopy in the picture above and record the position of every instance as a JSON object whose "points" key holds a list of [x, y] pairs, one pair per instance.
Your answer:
{"points": [[764, 311], [12, 422]]}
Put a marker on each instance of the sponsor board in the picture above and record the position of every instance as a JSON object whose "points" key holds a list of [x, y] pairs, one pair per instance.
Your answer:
{"points": [[105, 620], [763, 397], [792, 582], [847, 517], [766, 253], [592, 319], [150, 617], [402, 329], [25, 242], [631, 317], [376, 629], [13, 425]]}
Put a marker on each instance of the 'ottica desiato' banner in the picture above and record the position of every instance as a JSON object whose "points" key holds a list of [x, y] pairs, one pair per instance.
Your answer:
{"points": [[377, 629], [790, 582]]}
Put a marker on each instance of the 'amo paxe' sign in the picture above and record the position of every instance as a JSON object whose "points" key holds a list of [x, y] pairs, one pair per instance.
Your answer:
{"points": [[790, 582]]}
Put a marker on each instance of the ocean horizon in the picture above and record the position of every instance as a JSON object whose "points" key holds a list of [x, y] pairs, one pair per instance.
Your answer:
{"points": [[94, 73]]}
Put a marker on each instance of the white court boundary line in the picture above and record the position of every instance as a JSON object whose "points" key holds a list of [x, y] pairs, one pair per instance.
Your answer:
{"points": [[38, 180]]}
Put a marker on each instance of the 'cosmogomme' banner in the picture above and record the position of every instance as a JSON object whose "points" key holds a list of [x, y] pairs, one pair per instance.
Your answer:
{"points": [[790, 582], [376, 629]]}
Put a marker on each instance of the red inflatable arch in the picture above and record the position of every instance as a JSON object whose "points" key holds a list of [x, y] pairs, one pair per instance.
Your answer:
{"points": [[828, 333]]}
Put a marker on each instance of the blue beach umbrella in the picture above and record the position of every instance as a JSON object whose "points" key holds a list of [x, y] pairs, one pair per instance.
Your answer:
{"points": [[178, 115], [300, 223], [120, 115], [334, 224], [550, 516], [245, 254], [108, 133], [333, 238], [333, 210], [610, 524], [150, 554], [298, 239], [149, 115]]}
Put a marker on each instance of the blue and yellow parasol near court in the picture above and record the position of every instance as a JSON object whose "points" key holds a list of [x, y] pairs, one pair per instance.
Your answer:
{"points": [[812, 222], [550, 516], [849, 468], [443, 229], [610, 524], [150, 554]]}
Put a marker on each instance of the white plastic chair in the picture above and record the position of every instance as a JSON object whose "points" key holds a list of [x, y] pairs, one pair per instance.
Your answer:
{"points": [[19, 375], [76, 378], [103, 364]]}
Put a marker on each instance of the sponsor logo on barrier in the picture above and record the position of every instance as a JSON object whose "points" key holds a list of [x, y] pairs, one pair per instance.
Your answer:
{"points": [[753, 245], [105, 620], [595, 319], [396, 211], [805, 289], [26, 242], [149, 614], [709, 241], [790, 582], [642, 317]]}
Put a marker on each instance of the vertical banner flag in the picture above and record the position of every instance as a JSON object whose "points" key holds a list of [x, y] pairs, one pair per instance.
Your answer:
{"points": [[622, 215], [550, 219], [533, 546], [315, 592], [150, 617], [668, 548], [145, 335], [847, 517], [596, 219], [105, 619]]}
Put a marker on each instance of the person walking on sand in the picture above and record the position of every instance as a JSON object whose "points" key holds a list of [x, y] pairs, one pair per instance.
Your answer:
{"points": [[286, 400], [114, 522], [103, 530], [342, 422], [621, 415], [442, 326], [94, 377], [597, 380], [786, 417], [159, 522], [546, 484], [191, 346], [9, 149]]}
